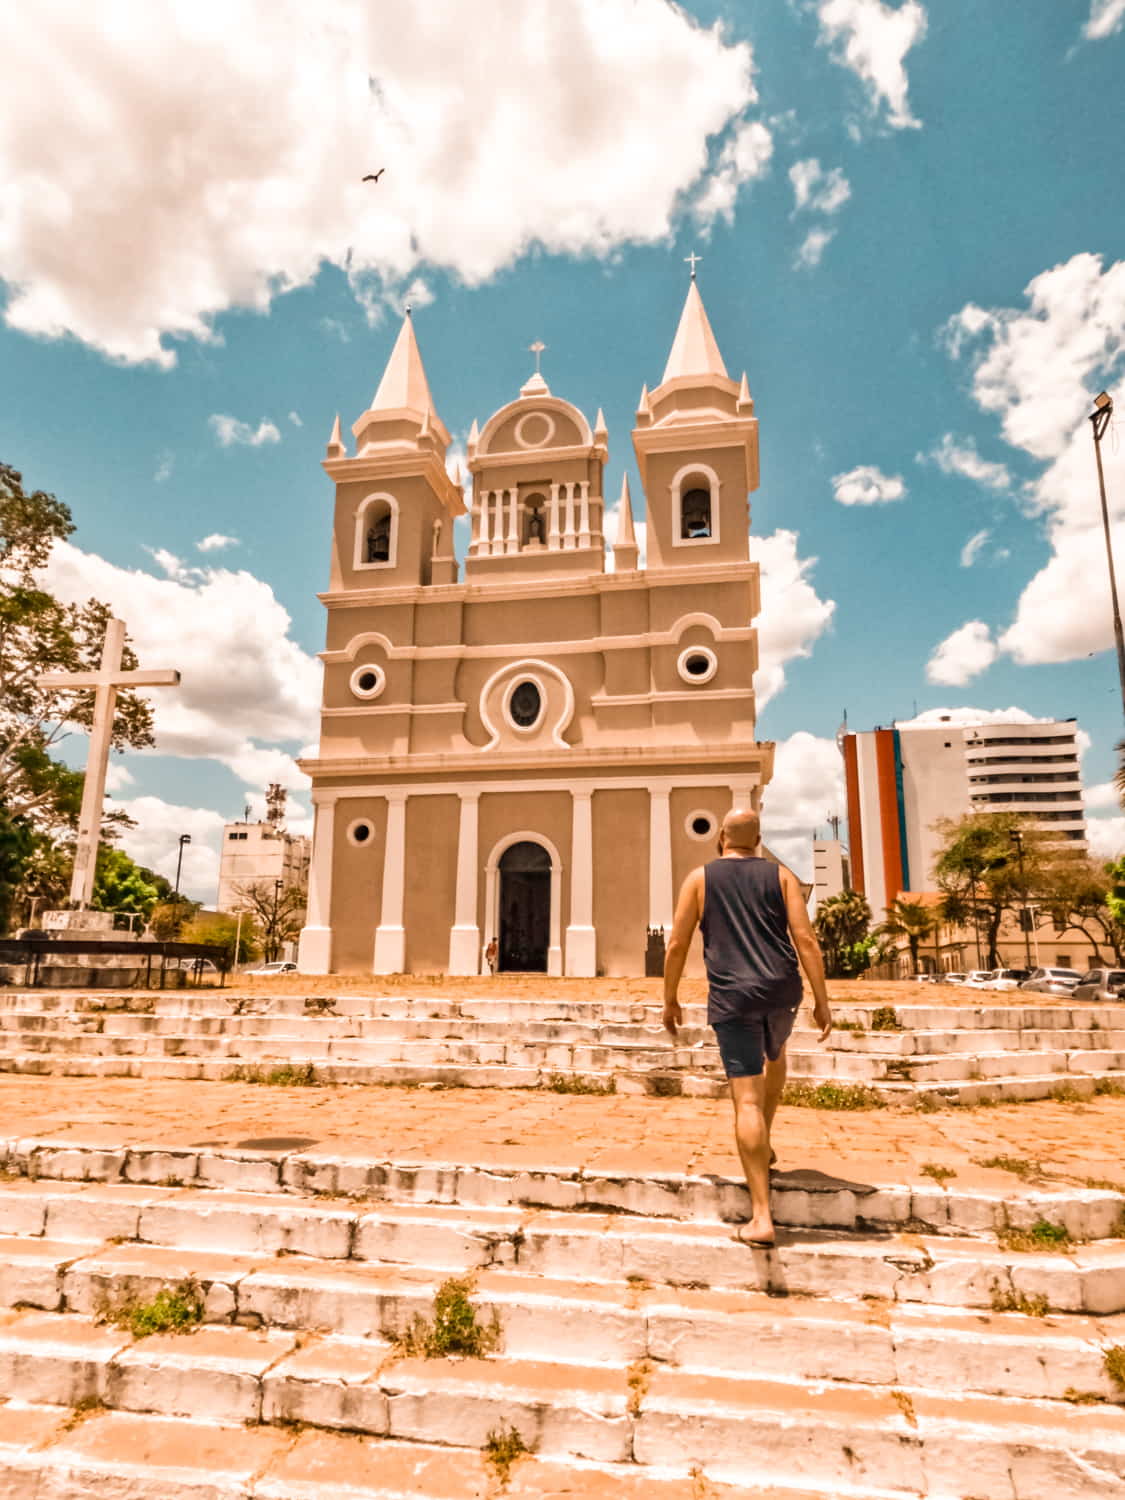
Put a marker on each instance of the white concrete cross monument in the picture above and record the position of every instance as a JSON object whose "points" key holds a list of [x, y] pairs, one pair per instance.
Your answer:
{"points": [[105, 681]]}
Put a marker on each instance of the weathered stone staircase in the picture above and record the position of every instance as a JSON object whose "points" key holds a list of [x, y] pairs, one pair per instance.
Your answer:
{"points": [[898, 1342], [956, 1053]]}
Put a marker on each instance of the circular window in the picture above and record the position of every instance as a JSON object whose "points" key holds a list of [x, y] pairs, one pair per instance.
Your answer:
{"points": [[368, 682], [535, 429], [525, 704], [701, 825], [361, 832], [697, 664]]}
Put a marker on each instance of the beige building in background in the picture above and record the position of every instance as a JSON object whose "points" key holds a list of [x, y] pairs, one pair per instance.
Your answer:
{"points": [[257, 853], [540, 750]]}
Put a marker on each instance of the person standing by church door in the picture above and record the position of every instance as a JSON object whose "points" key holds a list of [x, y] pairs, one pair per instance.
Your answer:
{"points": [[491, 953], [755, 926]]}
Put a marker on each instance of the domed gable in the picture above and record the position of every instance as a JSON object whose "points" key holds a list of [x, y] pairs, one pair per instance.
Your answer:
{"points": [[536, 423]]}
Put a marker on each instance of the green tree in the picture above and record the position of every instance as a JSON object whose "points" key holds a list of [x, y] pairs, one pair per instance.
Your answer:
{"points": [[222, 930], [1084, 895], [121, 885], [912, 920], [38, 634], [278, 914], [843, 927], [977, 869]]}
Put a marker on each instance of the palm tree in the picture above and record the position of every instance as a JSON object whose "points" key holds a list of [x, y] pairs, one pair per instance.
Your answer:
{"points": [[1119, 774], [912, 920]]}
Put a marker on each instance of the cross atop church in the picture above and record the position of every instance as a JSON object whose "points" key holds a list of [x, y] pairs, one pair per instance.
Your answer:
{"points": [[537, 349], [692, 260], [105, 681]]}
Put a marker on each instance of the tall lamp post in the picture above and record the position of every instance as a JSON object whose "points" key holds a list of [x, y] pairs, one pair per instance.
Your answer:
{"points": [[185, 838], [1016, 837], [1099, 420], [278, 887]]}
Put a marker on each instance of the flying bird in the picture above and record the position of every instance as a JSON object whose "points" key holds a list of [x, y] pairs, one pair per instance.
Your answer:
{"points": [[374, 176]]}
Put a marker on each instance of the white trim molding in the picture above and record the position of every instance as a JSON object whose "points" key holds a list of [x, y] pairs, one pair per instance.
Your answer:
{"points": [[530, 416], [530, 667], [677, 494], [362, 671], [697, 679], [359, 561], [492, 895], [353, 833], [711, 829]]}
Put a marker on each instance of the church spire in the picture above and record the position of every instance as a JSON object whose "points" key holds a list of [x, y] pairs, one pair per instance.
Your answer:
{"points": [[625, 550], [336, 447], [404, 382], [695, 350]]}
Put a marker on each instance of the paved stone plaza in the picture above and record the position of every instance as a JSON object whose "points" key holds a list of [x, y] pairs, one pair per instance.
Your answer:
{"points": [[944, 1315]]}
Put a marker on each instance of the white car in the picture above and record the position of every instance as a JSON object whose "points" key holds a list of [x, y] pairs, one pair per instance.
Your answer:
{"points": [[981, 979], [953, 977], [281, 967], [1052, 981], [1010, 979]]}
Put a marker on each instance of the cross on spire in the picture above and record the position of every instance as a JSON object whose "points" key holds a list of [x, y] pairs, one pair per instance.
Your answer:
{"points": [[537, 349], [692, 260]]}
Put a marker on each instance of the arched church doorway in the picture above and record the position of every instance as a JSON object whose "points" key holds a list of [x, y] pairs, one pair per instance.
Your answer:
{"points": [[525, 908]]}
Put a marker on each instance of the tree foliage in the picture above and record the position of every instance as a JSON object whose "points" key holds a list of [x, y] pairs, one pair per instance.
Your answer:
{"points": [[223, 931], [979, 873], [121, 885], [912, 920], [1084, 895], [278, 914], [843, 927]]}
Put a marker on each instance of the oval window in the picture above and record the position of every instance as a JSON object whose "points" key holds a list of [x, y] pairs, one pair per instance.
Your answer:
{"points": [[701, 827], [526, 705], [697, 666]]}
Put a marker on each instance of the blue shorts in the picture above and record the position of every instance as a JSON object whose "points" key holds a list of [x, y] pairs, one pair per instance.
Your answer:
{"points": [[744, 1045]]}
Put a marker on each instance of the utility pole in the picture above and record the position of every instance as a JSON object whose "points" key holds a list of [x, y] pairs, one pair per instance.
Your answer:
{"points": [[1015, 835], [1099, 421]]}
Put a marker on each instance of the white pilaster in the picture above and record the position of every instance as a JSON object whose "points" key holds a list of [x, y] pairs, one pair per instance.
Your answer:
{"points": [[464, 936], [513, 520], [570, 540], [314, 951], [474, 543], [553, 538], [661, 898], [584, 514], [484, 532], [390, 935], [581, 939]]}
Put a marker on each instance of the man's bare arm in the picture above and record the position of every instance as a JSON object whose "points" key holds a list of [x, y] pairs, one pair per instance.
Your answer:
{"points": [[689, 910], [808, 949]]}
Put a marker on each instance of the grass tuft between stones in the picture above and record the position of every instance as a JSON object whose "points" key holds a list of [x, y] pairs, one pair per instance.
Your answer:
{"points": [[1036, 1306], [454, 1328], [1017, 1165], [832, 1096], [1043, 1236], [940, 1174], [287, 1076], [575, 1083], [885, 1018], [174, 1309], [1114, 1361], [501, 1449]]}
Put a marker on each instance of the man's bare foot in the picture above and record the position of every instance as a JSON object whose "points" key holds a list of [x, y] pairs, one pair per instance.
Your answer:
{"points": [[759, 1233], [773, 1158]]}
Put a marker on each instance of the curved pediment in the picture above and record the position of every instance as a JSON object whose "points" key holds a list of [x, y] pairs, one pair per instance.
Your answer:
{"points": [[534, 425]]}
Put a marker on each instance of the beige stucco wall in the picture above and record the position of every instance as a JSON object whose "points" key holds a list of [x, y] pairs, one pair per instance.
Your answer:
{"points": [[621, 844], [357, 884], [431, 881]]}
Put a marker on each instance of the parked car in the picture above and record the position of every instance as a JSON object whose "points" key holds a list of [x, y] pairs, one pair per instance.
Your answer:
{"points": [[200, 965], [980, 979], [1101, 984], [1051, 981], [1010, 979], [953, 977], [281, 967]]}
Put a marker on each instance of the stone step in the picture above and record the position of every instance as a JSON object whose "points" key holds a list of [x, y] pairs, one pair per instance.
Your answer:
{"points": [[113, 1455], [73, 1191], [743, 1431]]}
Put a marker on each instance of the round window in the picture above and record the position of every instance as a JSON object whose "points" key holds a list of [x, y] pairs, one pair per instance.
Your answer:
{"points": [[701, 825], [525, 705], [697, 664], [361, 832], [368, 682]]}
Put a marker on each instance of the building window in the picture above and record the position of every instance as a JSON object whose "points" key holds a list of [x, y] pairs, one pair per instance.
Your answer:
{"points": [[695, 506], [368, 681], [695, 515], [525, 704], [698, 664], [361, 832], [376, 538], [701, 825]]}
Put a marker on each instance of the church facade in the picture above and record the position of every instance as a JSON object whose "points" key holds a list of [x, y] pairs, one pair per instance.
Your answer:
{"points": [[537, 752]]}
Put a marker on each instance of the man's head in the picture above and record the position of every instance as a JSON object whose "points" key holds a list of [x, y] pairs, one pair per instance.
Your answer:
{"points": [[742, 831]]}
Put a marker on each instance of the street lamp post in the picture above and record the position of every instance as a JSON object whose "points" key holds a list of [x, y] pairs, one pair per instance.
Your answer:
{"points": [[1099, 420], [278, 887], [185, 838], [1015, 835]]}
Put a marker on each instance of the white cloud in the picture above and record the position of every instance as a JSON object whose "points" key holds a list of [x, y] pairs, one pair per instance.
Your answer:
{"points": [[216, 542], [1064, 612], [807, 786], [154, 842], [117, 777], [965, 718], [164, 466], [295, 418], [873, 39], [793, 615], [812, 248], [963, 655], [592, 130], [246, 686], [230, 431], [867, 485], [954, 456], [973, 547], [1106, 17], [1102, 795], [816, 190], [745, 156], [1106, 837]]}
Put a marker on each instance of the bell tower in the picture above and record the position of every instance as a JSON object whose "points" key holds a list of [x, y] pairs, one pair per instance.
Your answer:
{"points": [[395, 502], [696, 442]]}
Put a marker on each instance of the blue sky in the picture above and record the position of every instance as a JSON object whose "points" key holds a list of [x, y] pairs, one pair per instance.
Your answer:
{"points": [[913, 240]]}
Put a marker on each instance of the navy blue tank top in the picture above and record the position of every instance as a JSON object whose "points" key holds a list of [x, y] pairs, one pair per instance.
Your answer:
{"points": [[751, 963]]}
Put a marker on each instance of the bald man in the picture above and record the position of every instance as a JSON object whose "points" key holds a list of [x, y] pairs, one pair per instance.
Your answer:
{"points": [[755, 926]]}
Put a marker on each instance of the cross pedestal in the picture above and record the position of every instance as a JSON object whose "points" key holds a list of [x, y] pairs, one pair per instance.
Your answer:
{"points": [[105, 681]]}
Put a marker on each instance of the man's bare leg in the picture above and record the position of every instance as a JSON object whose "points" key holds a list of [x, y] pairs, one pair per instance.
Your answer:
{"points": [[752, 1135], [776, 1074]]}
